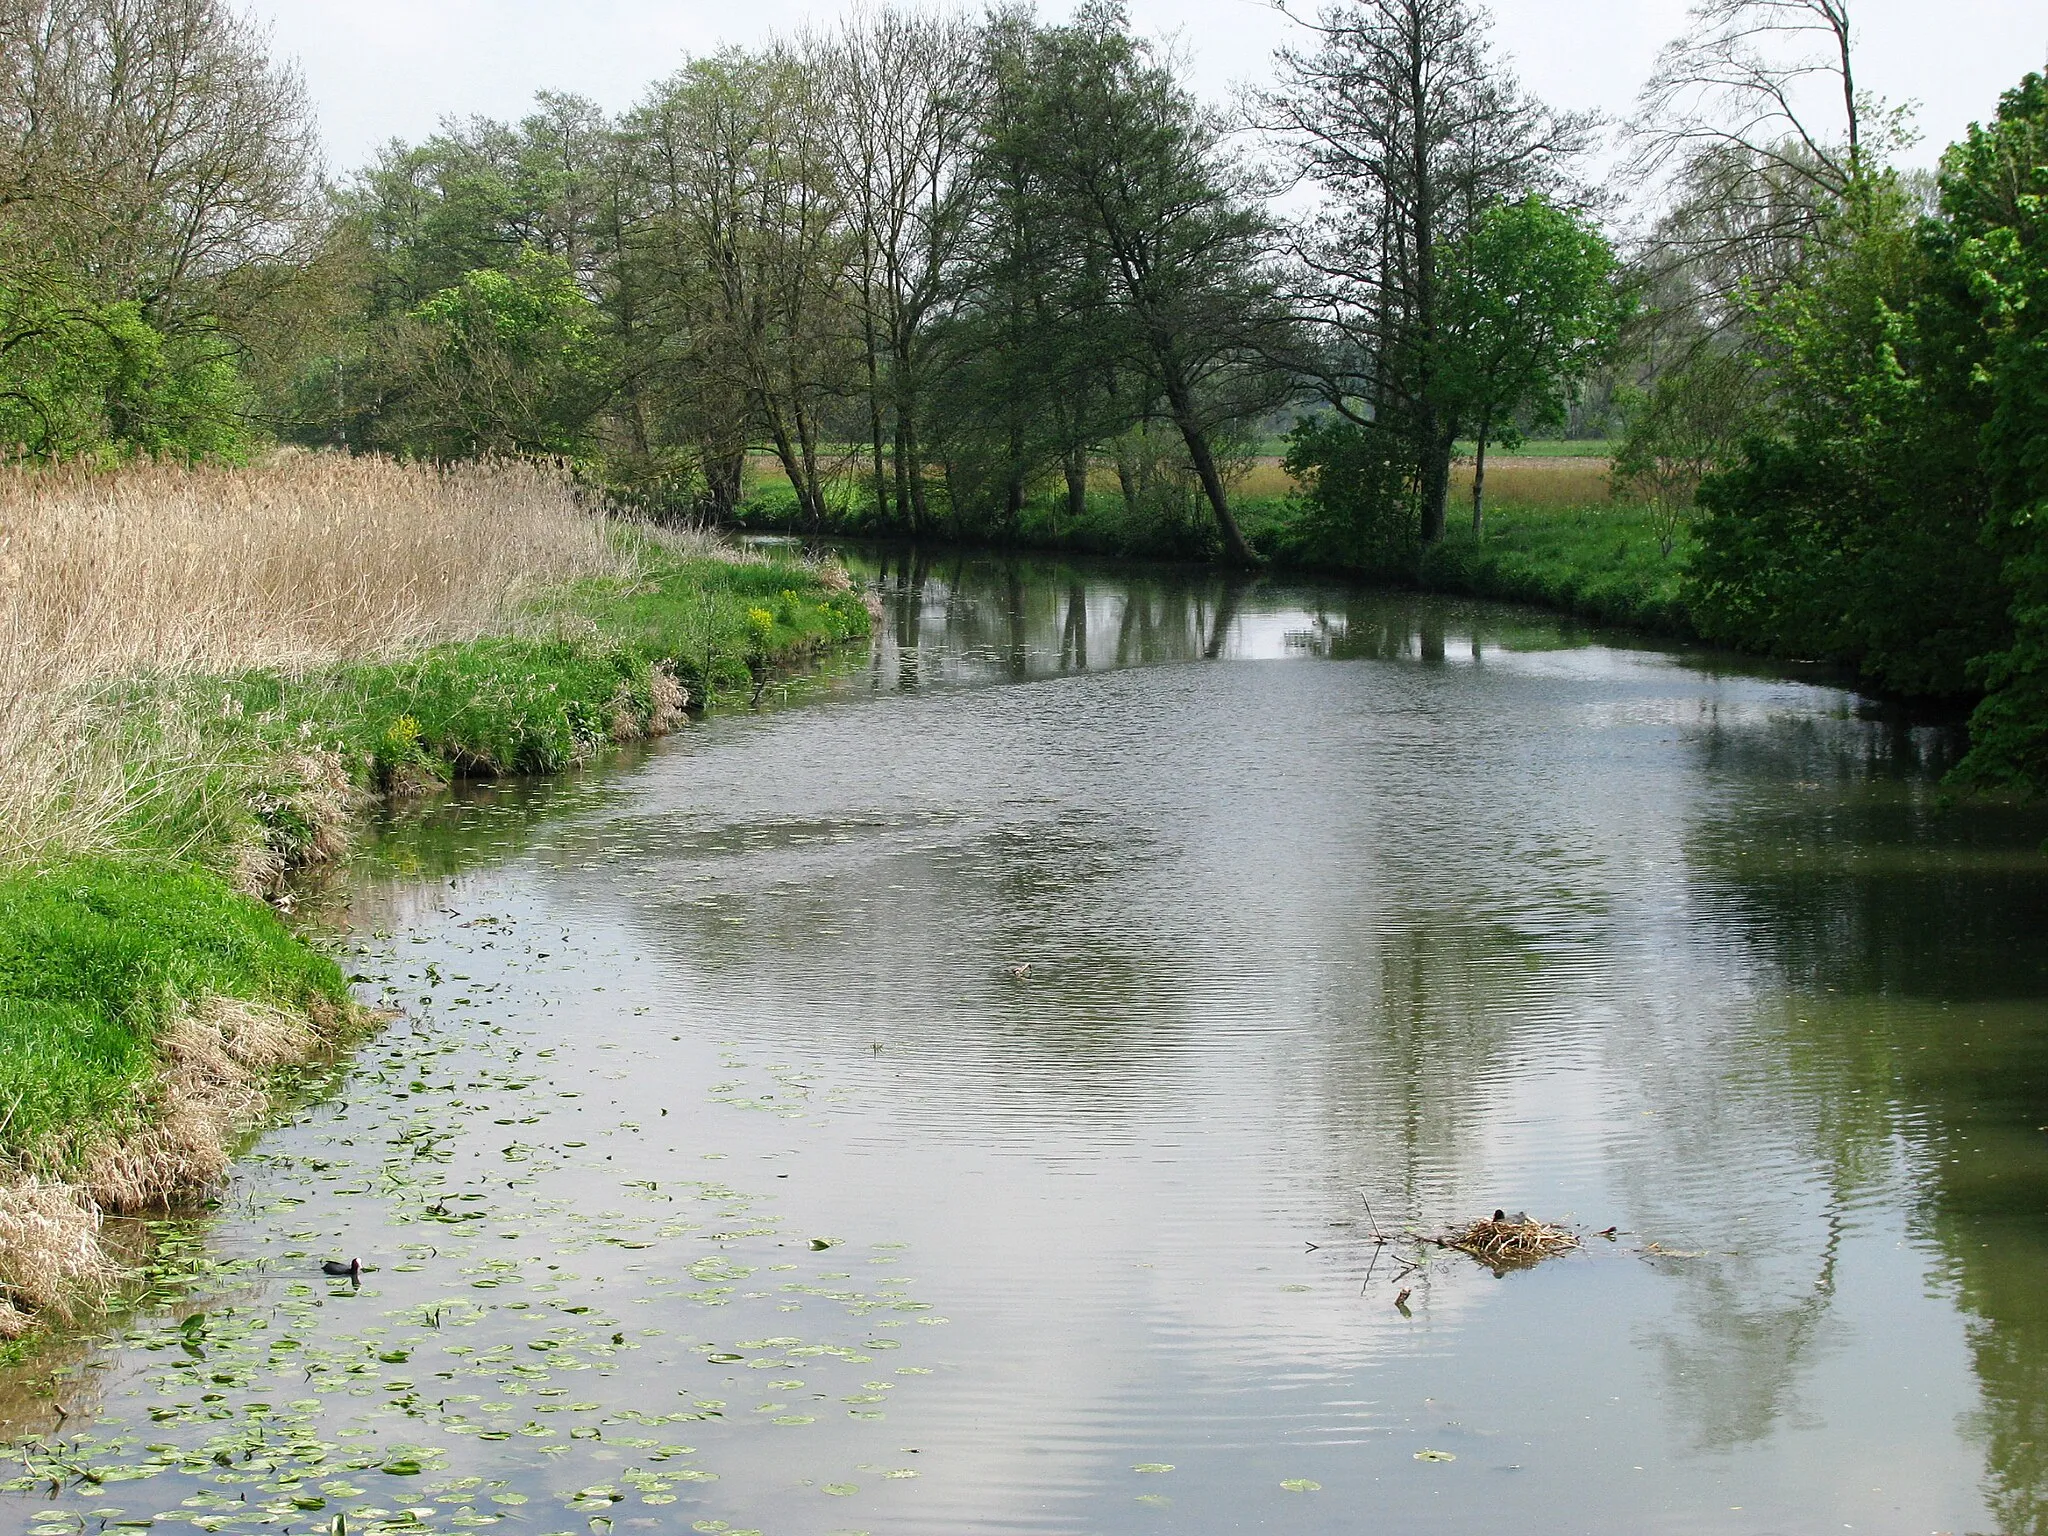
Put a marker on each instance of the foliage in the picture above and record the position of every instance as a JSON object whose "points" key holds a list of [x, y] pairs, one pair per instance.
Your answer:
{"points": [[1853, 534], [1356, 509], [500, 362], [1994, 194], [79, 378], [1532, 301]]}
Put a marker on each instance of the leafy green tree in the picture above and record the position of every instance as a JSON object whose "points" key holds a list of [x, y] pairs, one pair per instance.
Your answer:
{"points": [[502, 362], [1356, 506], [1532, 301], [84, 379], [1994, 197], [1130, 180], [1851, 532]]}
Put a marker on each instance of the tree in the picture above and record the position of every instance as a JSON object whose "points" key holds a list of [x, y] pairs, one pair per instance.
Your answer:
{"points": [[748, 230], [1531, 303], [1398, 110], [1691, 424], [1159, 225], [906, 93], [1851, 529], [1994, 196], [502, 362], [157, 209], [1753, 131]]}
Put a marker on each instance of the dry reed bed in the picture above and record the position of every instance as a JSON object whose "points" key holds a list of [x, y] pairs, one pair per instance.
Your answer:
{"points": [[166, 570]]}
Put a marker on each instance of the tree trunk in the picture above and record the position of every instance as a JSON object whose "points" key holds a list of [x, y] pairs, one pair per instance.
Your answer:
{"points": [[1127, 477], [913, 469], [1235, 549], [875, 418], [792, 465], [724, 469], [1479, 484], [1435, 482], [1076, 467], [812, 494]]}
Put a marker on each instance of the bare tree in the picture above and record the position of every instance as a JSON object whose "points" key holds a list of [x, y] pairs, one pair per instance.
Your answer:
{"points": [[905, 87], [1399, 111], [1754, 132]]}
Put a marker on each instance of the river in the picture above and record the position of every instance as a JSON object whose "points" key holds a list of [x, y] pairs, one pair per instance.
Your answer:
{"points": [[725, 1173]]}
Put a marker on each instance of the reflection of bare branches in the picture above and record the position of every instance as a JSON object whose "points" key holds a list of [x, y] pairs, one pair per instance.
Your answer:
{"points": [[1742, 1357]]}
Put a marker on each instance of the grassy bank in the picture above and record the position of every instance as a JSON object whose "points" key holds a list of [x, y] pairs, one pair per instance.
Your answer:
{"points": [[1604, 563], [1553, 538], [231, 666]]}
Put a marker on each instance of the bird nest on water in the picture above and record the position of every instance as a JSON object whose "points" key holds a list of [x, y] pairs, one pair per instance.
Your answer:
{"points": [[1510, 1242]]}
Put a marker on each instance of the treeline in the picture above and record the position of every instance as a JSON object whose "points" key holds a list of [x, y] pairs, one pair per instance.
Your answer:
{"points": [[947, 270], [934, 265]]}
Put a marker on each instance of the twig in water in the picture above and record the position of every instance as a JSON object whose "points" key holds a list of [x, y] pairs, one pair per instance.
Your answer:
{"points": [[1377, 1235]]}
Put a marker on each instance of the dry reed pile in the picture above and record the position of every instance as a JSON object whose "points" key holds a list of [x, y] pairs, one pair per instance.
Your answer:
{"points": [[1505, 1242], [163, 570]]}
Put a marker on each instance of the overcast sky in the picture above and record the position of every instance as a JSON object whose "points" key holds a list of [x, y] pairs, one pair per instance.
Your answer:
{"points": [[380, 69]]}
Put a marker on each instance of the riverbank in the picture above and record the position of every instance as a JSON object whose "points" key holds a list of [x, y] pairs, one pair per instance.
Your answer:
{"points": [[1605, 562], [151, 1000]]}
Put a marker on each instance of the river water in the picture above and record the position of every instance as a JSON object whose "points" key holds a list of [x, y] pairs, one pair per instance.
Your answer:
{"points": [[723, 1175]]}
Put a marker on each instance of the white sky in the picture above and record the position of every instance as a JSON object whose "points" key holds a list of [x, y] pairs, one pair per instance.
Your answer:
{"points": [[385, 68]]}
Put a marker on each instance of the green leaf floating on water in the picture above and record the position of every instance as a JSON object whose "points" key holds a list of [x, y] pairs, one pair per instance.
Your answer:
{"points": [[1153, 1466], [1302, 1485], [1435, 1456]]}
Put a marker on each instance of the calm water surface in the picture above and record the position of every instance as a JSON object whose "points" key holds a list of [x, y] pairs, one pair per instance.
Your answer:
{"points": [[722, 1177]]}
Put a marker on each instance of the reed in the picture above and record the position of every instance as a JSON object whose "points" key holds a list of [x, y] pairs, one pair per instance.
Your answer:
{"points": [[162, 570]]}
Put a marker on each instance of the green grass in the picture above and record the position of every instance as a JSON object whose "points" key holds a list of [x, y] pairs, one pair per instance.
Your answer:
{"points": [[1602, 563], [95, 957]]}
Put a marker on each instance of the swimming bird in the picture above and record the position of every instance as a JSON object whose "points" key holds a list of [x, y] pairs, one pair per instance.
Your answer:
{"points": [[353, 1268], [1019, 972]]}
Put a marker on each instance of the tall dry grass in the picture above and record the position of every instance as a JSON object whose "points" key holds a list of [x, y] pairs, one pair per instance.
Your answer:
{"points": [[1523, 480], [164, 570]]}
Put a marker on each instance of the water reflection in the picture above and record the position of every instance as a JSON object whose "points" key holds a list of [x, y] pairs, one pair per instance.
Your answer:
{"points": [[1344, 911]]}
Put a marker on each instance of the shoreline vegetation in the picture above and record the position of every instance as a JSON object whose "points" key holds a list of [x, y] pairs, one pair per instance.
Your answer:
{"points": [[206, 675], [1553, 537]]}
